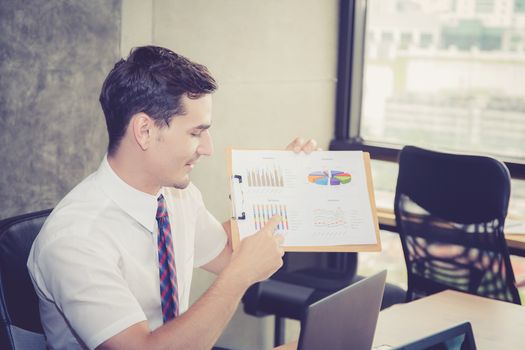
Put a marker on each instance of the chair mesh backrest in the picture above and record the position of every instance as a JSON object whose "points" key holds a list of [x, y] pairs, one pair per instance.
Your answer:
{"points": [[18, 298], [450, 212]]}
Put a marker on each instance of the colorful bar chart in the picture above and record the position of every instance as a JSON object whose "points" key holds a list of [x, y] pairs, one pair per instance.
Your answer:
{"points": [[263, 212], [265, 177]]}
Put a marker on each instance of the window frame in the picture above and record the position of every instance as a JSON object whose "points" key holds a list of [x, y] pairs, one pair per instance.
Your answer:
{"points": [[350, 64]]}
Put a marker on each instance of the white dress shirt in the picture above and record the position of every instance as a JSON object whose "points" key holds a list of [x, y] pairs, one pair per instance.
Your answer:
{"points": [[94, 264]]}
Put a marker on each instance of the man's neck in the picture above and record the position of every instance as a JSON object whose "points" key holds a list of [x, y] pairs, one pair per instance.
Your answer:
{"points": [[130, 171]]}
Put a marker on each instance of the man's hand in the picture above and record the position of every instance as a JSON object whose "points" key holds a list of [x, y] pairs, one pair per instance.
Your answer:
{"points": [[299, 144], [258, 255]]}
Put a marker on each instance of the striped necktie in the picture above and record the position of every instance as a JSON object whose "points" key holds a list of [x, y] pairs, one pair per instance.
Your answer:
{"points": [[167, 272]]}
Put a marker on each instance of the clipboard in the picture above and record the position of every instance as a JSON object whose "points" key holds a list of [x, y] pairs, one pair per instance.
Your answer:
{"points": [[239, 213]]}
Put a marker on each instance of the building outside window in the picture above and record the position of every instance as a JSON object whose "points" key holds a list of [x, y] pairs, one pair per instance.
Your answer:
{"points": [[446, 75]]}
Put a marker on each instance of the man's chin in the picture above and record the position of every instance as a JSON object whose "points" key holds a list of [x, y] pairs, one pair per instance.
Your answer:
{"points": [[181, 184]]}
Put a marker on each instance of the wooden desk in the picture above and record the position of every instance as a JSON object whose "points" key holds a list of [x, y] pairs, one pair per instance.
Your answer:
{"points": [[496, 324], [515, 242]]}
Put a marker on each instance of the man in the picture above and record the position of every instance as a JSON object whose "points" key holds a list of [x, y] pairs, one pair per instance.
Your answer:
{"points": [[112, 265]]}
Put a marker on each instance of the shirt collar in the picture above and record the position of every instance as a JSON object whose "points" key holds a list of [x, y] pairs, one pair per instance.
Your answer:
{"points": [[139, 205]]}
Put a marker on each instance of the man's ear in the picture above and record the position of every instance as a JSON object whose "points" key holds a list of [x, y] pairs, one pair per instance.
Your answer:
{"points": [[142, 128]]}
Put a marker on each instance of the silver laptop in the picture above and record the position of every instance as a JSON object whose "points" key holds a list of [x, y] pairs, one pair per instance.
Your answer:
{"points": [[346, 319]]}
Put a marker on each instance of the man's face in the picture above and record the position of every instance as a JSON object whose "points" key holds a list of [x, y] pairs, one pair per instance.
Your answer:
{"points": [[176, 148]]}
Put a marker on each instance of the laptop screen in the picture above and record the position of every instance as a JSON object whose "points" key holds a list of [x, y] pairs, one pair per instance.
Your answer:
{"points": [[458, 337], [345, 320]]}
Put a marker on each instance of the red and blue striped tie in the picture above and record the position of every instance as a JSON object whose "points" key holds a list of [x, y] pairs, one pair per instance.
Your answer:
{"points": [[167, 272]]}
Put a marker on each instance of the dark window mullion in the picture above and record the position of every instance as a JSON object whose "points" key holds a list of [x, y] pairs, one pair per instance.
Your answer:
{"points": [[344, 69]]}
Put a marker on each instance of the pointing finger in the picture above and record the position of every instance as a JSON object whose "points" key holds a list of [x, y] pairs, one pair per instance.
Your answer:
{"points": [[272, 224], [279, 238]]}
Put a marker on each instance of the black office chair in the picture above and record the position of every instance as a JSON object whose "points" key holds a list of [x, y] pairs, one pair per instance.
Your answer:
{"points": [[304, 279], [450, 212], [20, 318]]}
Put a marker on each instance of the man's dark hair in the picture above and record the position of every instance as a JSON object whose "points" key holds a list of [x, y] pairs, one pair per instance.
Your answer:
{"points": [[151, 80]]}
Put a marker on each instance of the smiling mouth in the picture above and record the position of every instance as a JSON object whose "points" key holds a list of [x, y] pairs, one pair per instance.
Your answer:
{"points": [[191, 164]]}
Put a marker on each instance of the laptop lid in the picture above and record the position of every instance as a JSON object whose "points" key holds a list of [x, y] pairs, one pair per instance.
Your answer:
{"points": [[346, 319], [458, 337]]}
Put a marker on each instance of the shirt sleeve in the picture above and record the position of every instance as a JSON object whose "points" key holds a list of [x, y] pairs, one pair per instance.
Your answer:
{"points": [[81, 276], [210, 237]]}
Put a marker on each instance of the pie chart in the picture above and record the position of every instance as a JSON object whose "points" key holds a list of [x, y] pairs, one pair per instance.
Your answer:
{"points": [[332, 178], [340, 178], [318, 177]]}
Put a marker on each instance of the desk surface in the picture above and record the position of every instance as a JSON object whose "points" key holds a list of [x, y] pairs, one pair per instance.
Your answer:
{"points": [[496, 324]]}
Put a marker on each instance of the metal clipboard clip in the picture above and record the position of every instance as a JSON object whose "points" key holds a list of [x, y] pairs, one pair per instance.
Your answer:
{"points": [[238, 198]]}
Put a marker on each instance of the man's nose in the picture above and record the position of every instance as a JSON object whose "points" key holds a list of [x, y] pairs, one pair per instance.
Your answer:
{"points": [[206, 146]]}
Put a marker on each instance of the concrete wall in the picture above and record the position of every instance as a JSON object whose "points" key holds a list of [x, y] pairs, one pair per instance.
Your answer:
{"points": [[275, 62], [54, 55]]}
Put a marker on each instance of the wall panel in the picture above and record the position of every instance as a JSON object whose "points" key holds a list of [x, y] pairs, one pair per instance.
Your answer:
{"points": [[54, 56]]}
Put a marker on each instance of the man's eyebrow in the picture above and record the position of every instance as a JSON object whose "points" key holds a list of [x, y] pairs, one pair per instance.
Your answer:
{"points": [[203, 126]]}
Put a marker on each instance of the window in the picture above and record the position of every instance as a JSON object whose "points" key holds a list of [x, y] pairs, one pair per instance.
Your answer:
{"points": [[425, 40], [405, 41], [484, 6], [519, 6], [442, 74]]}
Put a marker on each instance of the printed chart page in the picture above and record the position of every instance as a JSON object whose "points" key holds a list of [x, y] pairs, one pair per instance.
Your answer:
{"points": [[322, 197]]}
